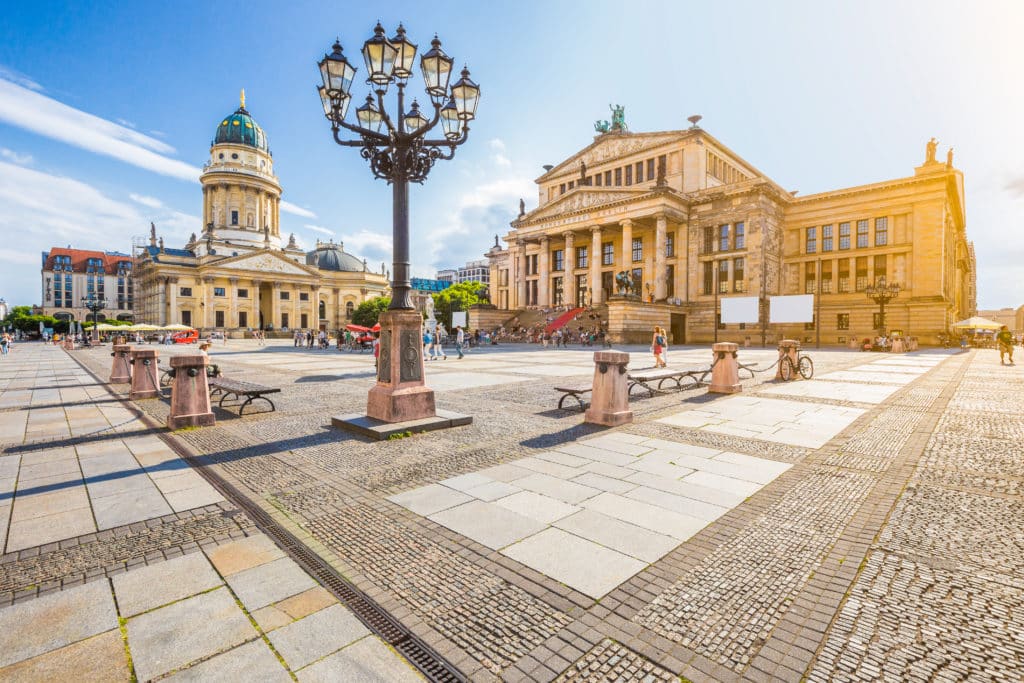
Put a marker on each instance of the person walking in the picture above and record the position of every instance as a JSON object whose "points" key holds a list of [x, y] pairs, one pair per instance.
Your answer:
{"points": [[426, 344], [438, 347], [1005, 340], [657, 346], [963, 343], [460, 337], [664, 346]]}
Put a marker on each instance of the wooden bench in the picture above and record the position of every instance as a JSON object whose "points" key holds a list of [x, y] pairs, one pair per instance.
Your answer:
{"points": [[229, 388], [576, 392], [646, 378]]}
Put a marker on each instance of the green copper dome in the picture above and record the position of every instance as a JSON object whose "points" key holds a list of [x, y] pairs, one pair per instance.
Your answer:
{"points": [[240, 129]]}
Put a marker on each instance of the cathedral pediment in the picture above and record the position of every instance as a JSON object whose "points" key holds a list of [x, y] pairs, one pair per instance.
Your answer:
{"points": [[613, 146], [265, 262], [580, 199]]}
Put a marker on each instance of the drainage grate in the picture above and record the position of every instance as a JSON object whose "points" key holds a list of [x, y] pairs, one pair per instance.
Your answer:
{"points": [[432, 665]]}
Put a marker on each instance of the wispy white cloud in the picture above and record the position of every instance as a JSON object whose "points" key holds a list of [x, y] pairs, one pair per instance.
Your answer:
{"points": [[24, 107], [21, 79], [368, 244], [151, 202], [14, 157], [296, 210], [126, 124], [21, 258], [498, 153], [317, 228]]}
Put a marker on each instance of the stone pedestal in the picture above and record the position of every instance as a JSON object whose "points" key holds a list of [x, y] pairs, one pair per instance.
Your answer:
{"points": [[610, 403], [791, 348], [401, 394], [121, 368], [190, 394], [725, 375], [145, 381]]}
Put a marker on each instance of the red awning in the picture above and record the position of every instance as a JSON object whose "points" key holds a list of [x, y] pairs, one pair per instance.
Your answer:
{"points": [[357, 328]]}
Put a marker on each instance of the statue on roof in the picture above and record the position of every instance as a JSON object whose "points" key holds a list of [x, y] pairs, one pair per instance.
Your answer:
{"points": [[929, 154], [949, 158], [496, 245], [161, 245], [291, 242], [618, 117], [152, 234], [522, 207], [192, 239], [583, 172]]}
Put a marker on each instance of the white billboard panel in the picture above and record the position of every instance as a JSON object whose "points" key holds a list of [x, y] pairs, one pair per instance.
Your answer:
{"points": [[798, 308], [739, 309], [459, 318]]}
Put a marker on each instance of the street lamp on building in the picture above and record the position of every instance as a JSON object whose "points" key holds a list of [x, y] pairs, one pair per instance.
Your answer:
{"points": [[882, 293], [95, 306], [399, 151]]}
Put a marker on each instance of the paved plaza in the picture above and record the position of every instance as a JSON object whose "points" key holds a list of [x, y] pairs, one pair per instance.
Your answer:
{"points": [[863, 525]]}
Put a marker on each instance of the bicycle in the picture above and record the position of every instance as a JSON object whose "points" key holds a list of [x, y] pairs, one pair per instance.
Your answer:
{"points": [[788, 369]]}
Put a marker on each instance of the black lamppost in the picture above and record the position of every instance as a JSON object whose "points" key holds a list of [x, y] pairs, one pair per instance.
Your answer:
{"points": [[882, 293], [95, 306], [400, 153]]}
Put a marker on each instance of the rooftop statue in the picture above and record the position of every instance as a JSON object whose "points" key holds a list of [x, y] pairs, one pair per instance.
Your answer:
{"points": [[618, 122], [929, 154]]}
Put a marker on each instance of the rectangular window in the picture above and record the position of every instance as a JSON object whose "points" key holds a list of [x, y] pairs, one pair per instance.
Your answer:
{"points": [[284, 320], [597, 179], [709, 277], [219, 291], [650, 169], [862, 234], [842, 321], [723, 276], [184, 291], [638, 249], [581, 288], [186, 318], [243, 319], [572, 184], [740, 232], [557, 296], [862, 273], [607, 177], [639, 172], [629, 175], [881, 232], [826, 238], [844, 236], [561, 189], [844, 276], [303, 296], [826, 277], [880, 271], [243, 294], [234, 218], [303, 320], [218, 318], [812, 240], [708, 246], [285, 296], [559, 259], [739, 282], [723, 237], [618, 176], [810, 278], [607, 254], [581, 257], [670, 281], [670, 245]]}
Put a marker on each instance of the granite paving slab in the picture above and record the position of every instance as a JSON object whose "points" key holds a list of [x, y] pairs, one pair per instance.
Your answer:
{"points": [[245, 553], [316, 636], [581, 564], [367, 661], [158, 584], [487, 523], [628, 539], [429, 499], [99, 658], [253, 661], [269, 583], [650, 517], [133, 505], [536, 506], [180, 633]]}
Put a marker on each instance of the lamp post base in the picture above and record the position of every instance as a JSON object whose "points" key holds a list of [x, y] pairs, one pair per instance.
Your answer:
{"points": [[401, 393]]}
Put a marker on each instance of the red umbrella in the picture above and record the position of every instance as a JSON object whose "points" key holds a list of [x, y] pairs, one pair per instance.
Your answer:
{"points": [[357, 328], [375, 328]]}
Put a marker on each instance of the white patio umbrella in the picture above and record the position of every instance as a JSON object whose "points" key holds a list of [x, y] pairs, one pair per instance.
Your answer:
{"points": [[977, 323]]}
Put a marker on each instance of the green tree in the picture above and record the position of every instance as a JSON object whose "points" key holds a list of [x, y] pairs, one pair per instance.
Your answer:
{"points": [[368, 312], [458, 297]]}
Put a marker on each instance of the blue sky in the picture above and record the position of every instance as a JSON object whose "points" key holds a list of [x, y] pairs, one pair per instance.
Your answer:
{"points": [[107, 111]]}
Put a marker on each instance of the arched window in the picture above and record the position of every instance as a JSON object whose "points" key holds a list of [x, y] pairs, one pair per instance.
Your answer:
{"points": [[323, 310], [349, 310]]}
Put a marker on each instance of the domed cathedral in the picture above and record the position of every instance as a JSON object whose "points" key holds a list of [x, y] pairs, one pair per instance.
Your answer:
{"points": [[237, 273]]}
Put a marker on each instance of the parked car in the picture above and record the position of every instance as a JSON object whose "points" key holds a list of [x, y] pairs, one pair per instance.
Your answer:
{"points": [[186, 337]]}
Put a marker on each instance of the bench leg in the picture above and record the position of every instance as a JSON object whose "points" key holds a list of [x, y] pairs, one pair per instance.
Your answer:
{"points": [[249, 400], [225, 396]]}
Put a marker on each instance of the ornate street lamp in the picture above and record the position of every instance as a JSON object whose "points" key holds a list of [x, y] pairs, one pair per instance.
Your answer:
{"points": [[882, 293], [399, 151], [95, 306]]}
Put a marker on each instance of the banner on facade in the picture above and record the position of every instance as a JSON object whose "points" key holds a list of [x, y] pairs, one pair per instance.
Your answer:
{"points": [[798, 308], [739, 309], [459, 318]]}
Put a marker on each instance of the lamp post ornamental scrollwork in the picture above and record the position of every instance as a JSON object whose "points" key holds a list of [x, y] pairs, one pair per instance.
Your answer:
{"points": [[882, 293]]}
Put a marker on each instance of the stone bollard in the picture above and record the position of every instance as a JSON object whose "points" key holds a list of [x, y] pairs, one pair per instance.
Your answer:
{"points": [[725, 375], [610, 403], [791, 348], [145, 381], [190, 394], [121, 369]]}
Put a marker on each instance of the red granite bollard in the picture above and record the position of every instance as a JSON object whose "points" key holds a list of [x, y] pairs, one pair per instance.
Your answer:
{"points": [[610, 403], [190, 394], [725, 374], [121, 369], [791, 348], [145, 381]]}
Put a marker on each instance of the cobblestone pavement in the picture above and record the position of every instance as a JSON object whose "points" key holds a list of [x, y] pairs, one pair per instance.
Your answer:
{"points": [[118, 561], [888, 550]]}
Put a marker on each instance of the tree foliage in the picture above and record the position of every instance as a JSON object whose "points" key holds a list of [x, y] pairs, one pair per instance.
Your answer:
{"points": [[368, 312], [458, 297]]}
